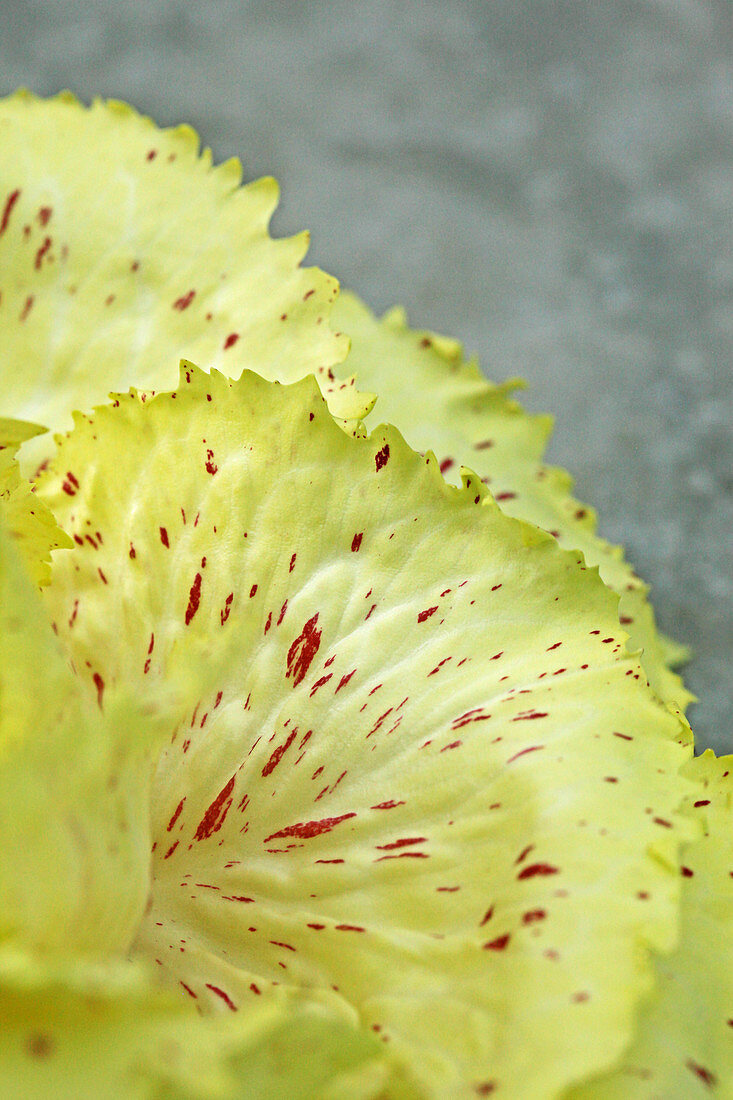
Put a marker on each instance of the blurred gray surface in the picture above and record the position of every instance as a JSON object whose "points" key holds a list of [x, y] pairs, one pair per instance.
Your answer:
{"points": [[552, 182]]}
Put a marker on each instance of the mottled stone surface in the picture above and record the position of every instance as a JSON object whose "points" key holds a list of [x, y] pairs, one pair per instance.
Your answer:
{"points": [[551, 182]]}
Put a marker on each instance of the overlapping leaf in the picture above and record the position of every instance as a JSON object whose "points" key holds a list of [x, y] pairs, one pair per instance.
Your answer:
{"points": [[684, 1046], [81, 1031], [122, 249], [418, 767], [444, 404], [27, 520]]}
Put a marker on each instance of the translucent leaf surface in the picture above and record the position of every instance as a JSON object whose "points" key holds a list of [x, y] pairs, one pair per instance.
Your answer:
{"points": [[122, 249], [444, 404], [418, 768], [684, 1046]]}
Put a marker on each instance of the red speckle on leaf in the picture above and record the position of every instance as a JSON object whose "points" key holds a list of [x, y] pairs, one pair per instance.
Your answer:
{"points": [[211, 467], [176, 815], [278, 754], [214, 817], [70, 484], [164, 536], [423, 615], [498, 944], [319, 683], [152, 154], [224, 996], [535, 869], [344, 680], [185, 301], [356, 542], [42, 252], [523, 752], [687, 872], [8, 209], [231, 340], [381, 458], [99, 684], [533, 915], [446, 465], [402, 843], [44, 215], [706, 1076], [224, 613], [303, 650], [304, 830], [194, 598], [253, 591]]}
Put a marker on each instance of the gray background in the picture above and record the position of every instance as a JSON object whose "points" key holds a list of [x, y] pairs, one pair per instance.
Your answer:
{"points": [[549, 181]]}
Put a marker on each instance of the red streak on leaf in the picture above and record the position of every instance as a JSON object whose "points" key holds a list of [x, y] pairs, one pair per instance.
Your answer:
{"points": [[487, 916], [706, 1076], [426, 614], [224, 996], [8, 209], [171, 850], [402, 843], [224, 613], [188, 990], [278, 754], [304, 830], [453, 745], [317, 927], [349, 928], [214, 817], [42, 252], [533, 915], [527, 715], [253, 591], [345, 679], [319, 683], [164, 536], [279, 943], [329, 861], [99, 684], [386, 805], [303, 650], [356, 542], [498, 944], [381, 458], [235, 897], [523, 752], [185, 301], [176, 815], [535, 869], [231, 340], [624, 736], [194, 598], [281, 616], [27, 306], [404, 855], [291, 567]]}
